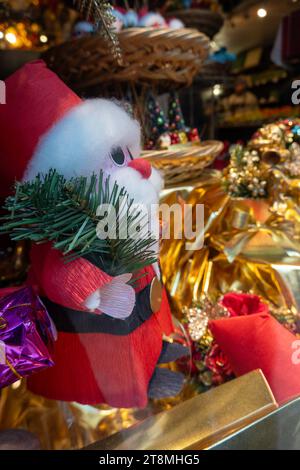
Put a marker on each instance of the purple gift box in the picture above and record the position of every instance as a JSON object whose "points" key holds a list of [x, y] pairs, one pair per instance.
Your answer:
{"points": [[27, 335]]}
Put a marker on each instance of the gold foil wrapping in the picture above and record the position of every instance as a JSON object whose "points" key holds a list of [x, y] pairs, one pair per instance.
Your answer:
{"points": [[62, 425], [245, 243], [200, 421]]}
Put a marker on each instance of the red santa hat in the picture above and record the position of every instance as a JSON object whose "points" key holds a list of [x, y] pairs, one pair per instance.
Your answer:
{"points": [[35, 99], [44, 124]]}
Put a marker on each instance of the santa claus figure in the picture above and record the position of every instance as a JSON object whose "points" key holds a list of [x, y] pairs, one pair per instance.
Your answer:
{"points": [[110, 332]]}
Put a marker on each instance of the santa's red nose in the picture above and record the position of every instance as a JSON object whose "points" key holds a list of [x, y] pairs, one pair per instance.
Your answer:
{"points": [[142, 166]]}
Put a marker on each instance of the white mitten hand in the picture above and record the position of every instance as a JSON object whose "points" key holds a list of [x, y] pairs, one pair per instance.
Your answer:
{"points": [[115, 299]]}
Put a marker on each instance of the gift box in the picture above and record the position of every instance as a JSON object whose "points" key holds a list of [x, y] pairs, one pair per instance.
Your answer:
{"points": [[200, 421], [26, 336], [278, 430]]}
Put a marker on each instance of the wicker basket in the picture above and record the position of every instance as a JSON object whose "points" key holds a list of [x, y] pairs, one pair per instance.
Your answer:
{"points": [[206, 21], [152, 57], [184, 162]]}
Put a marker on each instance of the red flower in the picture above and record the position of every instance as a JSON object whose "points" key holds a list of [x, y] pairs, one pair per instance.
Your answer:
{"points": [[243, 304], [218, 363]]}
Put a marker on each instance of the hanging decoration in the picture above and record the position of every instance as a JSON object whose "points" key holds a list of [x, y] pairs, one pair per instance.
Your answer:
{"points": [[270, 162], [100, 12]]}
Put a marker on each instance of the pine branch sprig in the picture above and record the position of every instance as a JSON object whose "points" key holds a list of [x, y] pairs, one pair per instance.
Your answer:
{"points": [[50, 208]]}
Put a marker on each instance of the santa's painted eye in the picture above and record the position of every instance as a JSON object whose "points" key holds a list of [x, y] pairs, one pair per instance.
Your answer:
{"points": [[118, 156], [130, 154]]}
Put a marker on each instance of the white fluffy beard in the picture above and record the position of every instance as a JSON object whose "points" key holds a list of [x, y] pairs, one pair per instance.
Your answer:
{"points": [[144, 192]]}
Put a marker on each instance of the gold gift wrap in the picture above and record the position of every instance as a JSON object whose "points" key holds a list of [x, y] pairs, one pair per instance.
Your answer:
{"points": [[69, 425], [59, 425], [245, 240], [200, 421]]}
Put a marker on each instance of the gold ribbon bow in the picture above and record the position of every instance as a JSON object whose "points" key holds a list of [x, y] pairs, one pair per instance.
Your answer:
{"points": [[275, 231]]}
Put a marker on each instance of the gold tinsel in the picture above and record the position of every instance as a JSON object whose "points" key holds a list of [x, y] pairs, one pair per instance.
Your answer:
{"points": [[246, 175], [270, 160]]}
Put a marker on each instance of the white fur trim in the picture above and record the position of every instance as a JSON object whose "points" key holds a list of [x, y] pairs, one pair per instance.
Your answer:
{"points": [[79, 143]]}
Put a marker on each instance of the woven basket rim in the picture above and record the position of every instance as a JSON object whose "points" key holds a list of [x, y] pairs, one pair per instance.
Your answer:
{"points": [[201, 150], [151, 57], [184, 165], [207, 21]]}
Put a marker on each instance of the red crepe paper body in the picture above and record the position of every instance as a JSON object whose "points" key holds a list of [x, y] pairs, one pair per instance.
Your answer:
{"points": [[76, 280], [95, 368], [35, 99], [258, 341]]}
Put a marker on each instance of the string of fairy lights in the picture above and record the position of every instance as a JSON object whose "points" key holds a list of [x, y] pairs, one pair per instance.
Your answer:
{"points": [[18, 36], [34, 24], [19, 25]]}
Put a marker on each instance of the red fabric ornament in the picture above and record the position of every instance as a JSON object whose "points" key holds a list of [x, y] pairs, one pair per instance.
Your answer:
{"points": [[237, 304], [259, 342], [243, 304], [193, 135], [174, 138], [95, 367]]}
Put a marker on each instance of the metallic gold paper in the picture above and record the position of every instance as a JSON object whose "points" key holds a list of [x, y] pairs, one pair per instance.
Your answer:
{"points": [[59, 425], [200, 421], [244, 242], [62, 425]]}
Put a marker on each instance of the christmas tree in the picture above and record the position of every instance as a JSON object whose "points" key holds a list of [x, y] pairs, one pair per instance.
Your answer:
{"points": [[176, 120], [156, 120]]}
